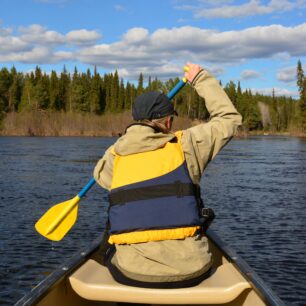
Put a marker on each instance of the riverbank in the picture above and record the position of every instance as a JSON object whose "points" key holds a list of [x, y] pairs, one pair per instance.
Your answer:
{"points": [[71, 124], [46, 123]]}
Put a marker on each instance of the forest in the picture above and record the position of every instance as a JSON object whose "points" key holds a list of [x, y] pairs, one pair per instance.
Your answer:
{"points": [[31, 102]]}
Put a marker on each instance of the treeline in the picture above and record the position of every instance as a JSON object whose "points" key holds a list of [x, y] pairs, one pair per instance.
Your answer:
{"points": [[91, 93]]}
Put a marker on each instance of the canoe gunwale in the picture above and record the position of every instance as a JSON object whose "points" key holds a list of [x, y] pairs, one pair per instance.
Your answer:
{"points": [[46, 285], [259, 286]]}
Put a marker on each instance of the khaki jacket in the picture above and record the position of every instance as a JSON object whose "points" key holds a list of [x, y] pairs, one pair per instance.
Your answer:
{"points": [[174, 260]]}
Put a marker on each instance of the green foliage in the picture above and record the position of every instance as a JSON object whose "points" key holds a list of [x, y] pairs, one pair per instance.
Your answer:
{"points": [[301, 83], [230, 89], [91, 92], [6, 80], [140, 88]]}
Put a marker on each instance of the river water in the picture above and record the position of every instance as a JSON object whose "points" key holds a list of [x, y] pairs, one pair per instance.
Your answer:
{"points": [[255, 185]]}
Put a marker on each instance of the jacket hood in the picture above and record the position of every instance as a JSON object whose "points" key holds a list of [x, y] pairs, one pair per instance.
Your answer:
{"points": [[140, 138]]}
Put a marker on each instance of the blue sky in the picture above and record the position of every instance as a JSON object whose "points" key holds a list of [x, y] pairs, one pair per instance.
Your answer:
{"points": [[255, 42]]}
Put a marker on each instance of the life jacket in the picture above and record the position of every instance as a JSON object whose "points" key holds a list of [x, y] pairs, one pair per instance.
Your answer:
{"points": [[152, 196]]}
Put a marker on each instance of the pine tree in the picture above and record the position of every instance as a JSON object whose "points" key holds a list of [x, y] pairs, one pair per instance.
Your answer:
{"points": [[55, 102], [156, 85], [79, 92], [230, 90], [129, 98], [252, 117], [15, 90], [42, 93], [121, 96], [65, 91], [5, 84], [140, 84], [27, 94], [300, 78], [95, 94], [301, 82]]}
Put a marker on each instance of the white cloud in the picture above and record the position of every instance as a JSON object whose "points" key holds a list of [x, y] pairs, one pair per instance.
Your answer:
{"points": [[249, 74], [163, 72], [63, 56], [5, 31], [38, 55], [141, 49], [287, 75], [37, 34], [223, 9], [216, 70], [82, 37], [10, 44], [136, 35], [247, 9]]}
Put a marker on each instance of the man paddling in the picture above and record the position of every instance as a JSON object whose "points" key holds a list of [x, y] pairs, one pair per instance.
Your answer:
{"points": [[153, 176]]}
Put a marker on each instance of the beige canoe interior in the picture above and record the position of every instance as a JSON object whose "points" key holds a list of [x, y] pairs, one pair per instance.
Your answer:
{"points": [[92, 284]]}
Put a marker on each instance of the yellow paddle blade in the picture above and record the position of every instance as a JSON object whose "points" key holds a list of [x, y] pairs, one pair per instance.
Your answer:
{"points": [[58, 220]]}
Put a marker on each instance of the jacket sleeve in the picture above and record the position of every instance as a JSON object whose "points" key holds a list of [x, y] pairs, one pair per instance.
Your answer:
{"points": [[201, 143], [103, 171]]}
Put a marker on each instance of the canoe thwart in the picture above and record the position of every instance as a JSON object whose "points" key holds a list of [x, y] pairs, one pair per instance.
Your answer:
{"points": [[92, 281]]}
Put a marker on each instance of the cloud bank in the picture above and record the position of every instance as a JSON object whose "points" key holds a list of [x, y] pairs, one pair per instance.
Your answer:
{"points": [[224, 9], [162, 52]]}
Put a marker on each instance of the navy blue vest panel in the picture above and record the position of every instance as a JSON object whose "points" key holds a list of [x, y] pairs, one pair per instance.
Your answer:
{"points": [[166, 212], [158, 213]]}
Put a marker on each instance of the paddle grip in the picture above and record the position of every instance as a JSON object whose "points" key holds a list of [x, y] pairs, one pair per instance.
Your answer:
{"points": [[86, 188]]}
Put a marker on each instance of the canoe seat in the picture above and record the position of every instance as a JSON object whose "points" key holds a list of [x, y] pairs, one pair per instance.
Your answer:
{"points": [[92, 281]]}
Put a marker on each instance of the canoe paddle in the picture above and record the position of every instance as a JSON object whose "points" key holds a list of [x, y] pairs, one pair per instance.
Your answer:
{"points": [[60, 218]]}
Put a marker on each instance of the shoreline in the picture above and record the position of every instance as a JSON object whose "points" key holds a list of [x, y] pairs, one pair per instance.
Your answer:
{"points": [[59, 124], [118, 134]]}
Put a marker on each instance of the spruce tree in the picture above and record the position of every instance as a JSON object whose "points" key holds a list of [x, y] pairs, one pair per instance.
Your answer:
{"points": [[95, 94], [140, 84], [15, 90], [42, 93], [55, 102], [121, 96], [27, 94], [230, 89], [64, 91], [301, 83], [5, 84]]}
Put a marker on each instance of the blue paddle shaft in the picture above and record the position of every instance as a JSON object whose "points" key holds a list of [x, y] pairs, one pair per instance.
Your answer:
{"points": [[176, 89], [170, 95], [86, 188]]}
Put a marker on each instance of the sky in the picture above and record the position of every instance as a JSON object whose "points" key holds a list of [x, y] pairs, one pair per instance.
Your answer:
{"points": [[255, 42]]}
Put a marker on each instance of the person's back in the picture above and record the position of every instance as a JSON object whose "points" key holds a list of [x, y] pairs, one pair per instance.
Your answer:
{"points": [[158, 236]]}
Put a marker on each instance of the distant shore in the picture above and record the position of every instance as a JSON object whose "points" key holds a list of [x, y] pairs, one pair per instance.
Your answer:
{"points": [[108, 125], [73, 124]]}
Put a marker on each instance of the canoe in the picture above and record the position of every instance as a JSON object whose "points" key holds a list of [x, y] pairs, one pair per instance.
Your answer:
{"points": [[84, 281]]}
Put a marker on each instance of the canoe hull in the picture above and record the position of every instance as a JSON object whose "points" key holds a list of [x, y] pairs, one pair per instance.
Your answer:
{"points": [[92, 282]]}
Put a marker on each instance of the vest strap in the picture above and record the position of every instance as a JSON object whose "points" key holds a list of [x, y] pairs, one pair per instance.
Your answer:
{"points": [[178, 189]]}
